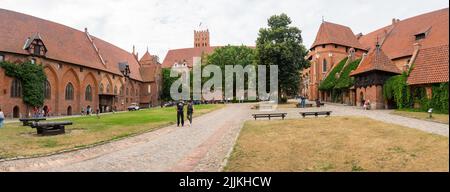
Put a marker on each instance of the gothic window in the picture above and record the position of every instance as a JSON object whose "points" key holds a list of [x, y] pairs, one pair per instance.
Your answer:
{"points": [[121, 90], [69, 91], [47, 90], [101, 88], [16, 88], [108, 88], [127, 91], [115, 90], [324, 65], [88, 93]]}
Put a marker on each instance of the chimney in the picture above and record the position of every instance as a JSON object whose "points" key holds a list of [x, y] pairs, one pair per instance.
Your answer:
{"points": [[395, 21], [359, 35], [414, 56]]}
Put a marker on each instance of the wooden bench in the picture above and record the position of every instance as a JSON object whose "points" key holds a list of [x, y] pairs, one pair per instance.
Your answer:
{"points": [[307, 105], [327, 113], [27, 121], [270, 115], [50, 128]]}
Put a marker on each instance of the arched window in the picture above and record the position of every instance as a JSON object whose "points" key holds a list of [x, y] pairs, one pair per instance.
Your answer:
{"points": [[47, 90], [101, 87], [115, 90], [127, 91], [121, 90], [132, 91], [88, 93], [69, 91], [108, 88], [16, 88], [324, 66]]}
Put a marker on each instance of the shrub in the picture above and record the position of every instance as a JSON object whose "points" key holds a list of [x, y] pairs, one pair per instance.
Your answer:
{"points": [[330, 80]]}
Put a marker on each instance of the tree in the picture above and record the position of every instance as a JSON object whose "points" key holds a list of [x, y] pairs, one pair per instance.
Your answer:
{"points": [[232, 56], [282, 45]]}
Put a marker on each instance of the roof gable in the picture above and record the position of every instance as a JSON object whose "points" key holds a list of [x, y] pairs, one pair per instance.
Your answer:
{"points": [[331, 33], [431, 66]]}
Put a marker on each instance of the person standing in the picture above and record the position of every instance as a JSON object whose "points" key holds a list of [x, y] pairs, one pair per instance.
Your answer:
{"points": [[2, 118], [190, 111], [180, 114]]}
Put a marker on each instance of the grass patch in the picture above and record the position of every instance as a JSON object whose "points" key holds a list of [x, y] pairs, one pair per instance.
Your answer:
{"points": [[336, 144], [19, 141], [439, 118]]}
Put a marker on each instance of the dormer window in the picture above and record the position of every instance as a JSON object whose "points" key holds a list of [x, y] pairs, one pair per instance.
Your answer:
{"points": [[420, 36], [35, 46]]}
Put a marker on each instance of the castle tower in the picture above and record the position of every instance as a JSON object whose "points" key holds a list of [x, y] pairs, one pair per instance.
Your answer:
{"points": [[201, 38]]}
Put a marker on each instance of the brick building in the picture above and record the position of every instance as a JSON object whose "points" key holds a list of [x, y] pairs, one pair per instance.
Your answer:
{"points": [[420, 43], [82, 70], [185, 57]]}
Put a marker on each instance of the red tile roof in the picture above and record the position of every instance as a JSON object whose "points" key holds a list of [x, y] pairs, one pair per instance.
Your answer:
{"points": [[376, 61], [63, 43], [187, 54], [331, 33], [431, 66], [400, 41]]}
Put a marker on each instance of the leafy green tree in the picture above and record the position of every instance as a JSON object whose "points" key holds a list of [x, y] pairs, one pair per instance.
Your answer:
{"points": [[167, 82], [282, 45], [232, 56]]}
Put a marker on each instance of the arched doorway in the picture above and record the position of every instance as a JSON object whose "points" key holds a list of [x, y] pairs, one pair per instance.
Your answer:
{"points": [[361, 98], [16, 112], [69, 111]]}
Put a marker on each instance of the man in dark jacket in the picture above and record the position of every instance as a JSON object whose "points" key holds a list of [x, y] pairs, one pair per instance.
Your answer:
{"points": [[180, 113], [190, 111]]}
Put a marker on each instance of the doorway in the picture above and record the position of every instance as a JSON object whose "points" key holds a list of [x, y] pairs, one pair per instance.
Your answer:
{"points": [[16, 112], [69, 111]]}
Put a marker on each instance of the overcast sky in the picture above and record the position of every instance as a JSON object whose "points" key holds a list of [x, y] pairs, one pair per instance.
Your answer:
{"points": [[169, 24]]}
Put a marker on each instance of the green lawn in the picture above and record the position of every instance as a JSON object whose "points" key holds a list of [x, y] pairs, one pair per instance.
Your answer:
{"points": [[336, 144], [19, 141], [440, 118]]}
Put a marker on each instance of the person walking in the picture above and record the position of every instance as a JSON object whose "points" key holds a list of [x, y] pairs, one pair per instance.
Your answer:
{"points": [[98, 113], [190, 111], [2, 118], [180, 114]]}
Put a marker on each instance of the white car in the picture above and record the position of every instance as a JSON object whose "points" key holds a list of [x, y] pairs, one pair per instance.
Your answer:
{"points": [[133, 107]]}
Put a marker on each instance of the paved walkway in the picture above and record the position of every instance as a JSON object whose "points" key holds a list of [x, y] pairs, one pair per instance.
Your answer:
{"points": [[202, 147]]}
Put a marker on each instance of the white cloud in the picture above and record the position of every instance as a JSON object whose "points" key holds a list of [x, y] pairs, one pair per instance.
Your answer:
{"points": [[169, 24]]}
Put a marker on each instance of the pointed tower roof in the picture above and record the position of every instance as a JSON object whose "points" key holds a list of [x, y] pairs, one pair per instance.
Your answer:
{"points": [[147, 57], [331, 33], [376, 61]]}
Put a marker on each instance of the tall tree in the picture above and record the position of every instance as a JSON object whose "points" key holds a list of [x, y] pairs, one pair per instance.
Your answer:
{"points": [[232, 56], [282, 45]]}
